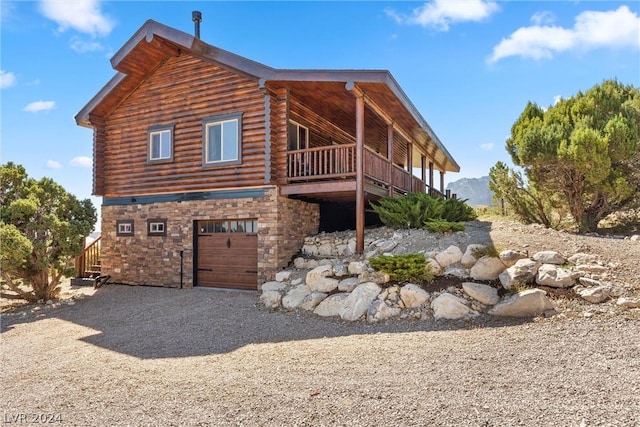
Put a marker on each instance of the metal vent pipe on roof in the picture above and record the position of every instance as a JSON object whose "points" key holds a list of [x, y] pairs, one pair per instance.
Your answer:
{"points": [[196, 17]]}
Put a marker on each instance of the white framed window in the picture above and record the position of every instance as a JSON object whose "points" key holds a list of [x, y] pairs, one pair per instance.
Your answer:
{"points": [[222, 139], [124, 227], [157, 227], [160, 143], [298, 136]]}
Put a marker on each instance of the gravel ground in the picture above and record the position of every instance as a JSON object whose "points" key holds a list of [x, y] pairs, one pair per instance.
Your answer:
{"points": [[154, 356]]}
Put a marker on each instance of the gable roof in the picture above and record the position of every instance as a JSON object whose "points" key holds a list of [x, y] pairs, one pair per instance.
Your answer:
{"points": [[154, 42]]}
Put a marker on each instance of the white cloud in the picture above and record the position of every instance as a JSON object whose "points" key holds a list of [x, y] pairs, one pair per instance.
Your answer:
{"points": [[487, 147], [81, 162], [52, 164], [84, 16], [7, 79], [36, 107], [557, 99], [592, 30], [440, 14], [83, 46], [543, 18]]}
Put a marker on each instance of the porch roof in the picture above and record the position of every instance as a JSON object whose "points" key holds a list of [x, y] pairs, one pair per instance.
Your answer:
{"points": [[326, 91]]}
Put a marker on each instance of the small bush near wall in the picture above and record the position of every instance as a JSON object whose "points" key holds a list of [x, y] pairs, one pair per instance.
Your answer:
{"points": [[403, 268], [416, 210]]}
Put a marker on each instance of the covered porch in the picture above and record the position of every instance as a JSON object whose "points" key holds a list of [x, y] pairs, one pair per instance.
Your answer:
{"points": [[354, 137]]}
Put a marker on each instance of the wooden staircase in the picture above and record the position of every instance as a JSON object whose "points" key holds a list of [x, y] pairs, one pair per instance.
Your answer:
{"points": [[88, 266]]}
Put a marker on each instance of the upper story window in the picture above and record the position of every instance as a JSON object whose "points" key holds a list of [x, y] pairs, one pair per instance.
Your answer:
{"points": [[160, 143], [222, 139], [298, 137]]}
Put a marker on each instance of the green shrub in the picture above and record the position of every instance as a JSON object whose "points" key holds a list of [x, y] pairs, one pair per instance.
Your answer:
{"points": [[443, 226], [415, 210], [403, 268], [489, 251]]}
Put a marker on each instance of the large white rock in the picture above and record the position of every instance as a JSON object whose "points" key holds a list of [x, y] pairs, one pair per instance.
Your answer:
{"points": [[295, 296], [348, 284], [449, 256], [273, 286], [448, 306], [468, 259], [455, 271], [531, 302], [357, 303], [487, 268], [591, 268], [549, 257], [436, 268], [310, 250], [413, 295], [595, 295], [271, 299], [331, 305], [282, 276], [378, 311], [357, 267], [325, 250], [386, 245], [481, 293], [379, 277], [554, 276], [318, 280], [509, 257], [522, 272], [312, 300], [628, 302]]}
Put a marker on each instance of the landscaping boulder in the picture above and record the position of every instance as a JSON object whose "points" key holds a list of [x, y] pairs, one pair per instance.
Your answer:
{"points": [[413, 296], [295, 296], [554, 276], [448, 306], [595, 295], [449, 256], [549, 257], [271, 299], [482, 293], [357, 303], [522, 272], [312, 300], [468, 258], [379, 310], [528, 303], [487, 268], [331, 305]]}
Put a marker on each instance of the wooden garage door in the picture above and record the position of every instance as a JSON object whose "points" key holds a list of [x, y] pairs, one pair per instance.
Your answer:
{"points": [[227, 254]]}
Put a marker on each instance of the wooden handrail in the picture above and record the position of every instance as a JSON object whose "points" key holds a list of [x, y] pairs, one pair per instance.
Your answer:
{"points": [[333, 161], [88, 259]]}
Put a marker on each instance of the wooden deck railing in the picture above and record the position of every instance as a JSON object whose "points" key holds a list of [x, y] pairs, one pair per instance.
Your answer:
{"points": [[88, 262], [339, 162], [334, 161]]}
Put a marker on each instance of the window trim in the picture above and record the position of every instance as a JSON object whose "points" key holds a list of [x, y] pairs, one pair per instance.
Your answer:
{"points": [[220, 119], [158, 129], [121, 222], [152, 221], [298, 126]]}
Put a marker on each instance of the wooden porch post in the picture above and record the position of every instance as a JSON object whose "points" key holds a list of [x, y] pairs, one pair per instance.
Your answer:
{"points": [[430, 177], [359, 167], [409, 185], [442, 182], [389, 177], [423, 168]]}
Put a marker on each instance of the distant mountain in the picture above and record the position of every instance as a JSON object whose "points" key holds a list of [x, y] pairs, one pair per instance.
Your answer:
{"points": [[475, 190]]}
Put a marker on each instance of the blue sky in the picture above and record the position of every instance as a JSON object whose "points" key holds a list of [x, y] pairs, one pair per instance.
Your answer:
{"points": [[469, 66]]}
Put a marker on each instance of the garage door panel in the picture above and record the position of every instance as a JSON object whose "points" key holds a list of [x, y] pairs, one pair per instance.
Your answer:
{"points": [[227, 260]]}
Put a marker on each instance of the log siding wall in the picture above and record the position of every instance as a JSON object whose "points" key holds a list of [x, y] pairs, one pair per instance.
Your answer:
{"points": [[182, 91]]}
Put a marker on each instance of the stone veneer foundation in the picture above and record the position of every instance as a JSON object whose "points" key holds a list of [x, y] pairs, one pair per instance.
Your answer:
{"points": [[155, 260]]}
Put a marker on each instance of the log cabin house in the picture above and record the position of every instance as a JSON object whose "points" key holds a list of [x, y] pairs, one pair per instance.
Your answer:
{"points": [[213, 167]]}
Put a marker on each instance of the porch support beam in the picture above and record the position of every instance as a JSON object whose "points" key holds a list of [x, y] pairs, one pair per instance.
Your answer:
{"points": [[409, 184], [389, 157], [442, 181], [357, 92], [423, 169], [430, 177]]}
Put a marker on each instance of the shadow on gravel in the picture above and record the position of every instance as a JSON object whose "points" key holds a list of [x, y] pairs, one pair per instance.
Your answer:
{"points": [[150, 323]]}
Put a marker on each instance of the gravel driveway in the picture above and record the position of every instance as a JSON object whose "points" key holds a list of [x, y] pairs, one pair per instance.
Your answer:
{"points": [[154, 356]]}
